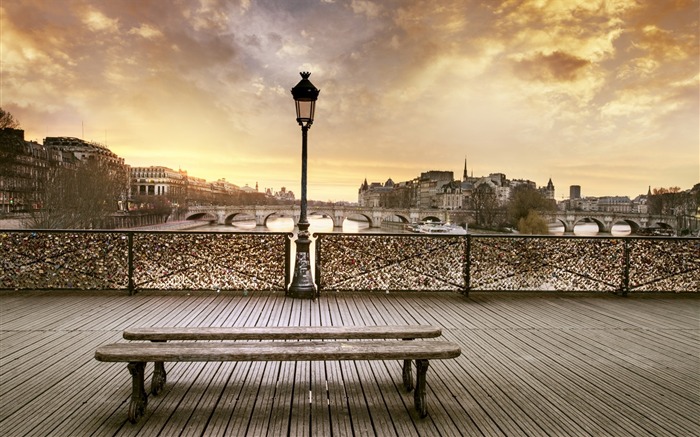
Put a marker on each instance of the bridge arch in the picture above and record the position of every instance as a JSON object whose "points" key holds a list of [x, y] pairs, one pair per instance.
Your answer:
{"points": [[431, 218], [391, 216], [202, 216], [229, 219], [558, 221], [634, 226], [325, 214], [585, 220], [263, 219], [350, 214]]}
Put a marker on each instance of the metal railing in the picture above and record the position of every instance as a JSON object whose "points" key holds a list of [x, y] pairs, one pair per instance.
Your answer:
{"points": [[146, 260], [139, 260], [515, 262]]}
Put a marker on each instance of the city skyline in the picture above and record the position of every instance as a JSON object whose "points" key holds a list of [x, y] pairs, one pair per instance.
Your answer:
{"points": [[598, 94]]}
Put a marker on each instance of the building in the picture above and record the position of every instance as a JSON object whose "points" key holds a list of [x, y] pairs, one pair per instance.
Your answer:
{"points": [[27, 167], [283, 195], [24, 170], [548, 191], [450, 196], [574, 192], [439, 190], [376, 194], [621, 204], [158, 181], [80, 150]]}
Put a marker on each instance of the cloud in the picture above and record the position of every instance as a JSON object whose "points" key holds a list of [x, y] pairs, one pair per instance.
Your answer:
{"points": [[97, 21], [146, 31], [557, 66], [366, 7]]}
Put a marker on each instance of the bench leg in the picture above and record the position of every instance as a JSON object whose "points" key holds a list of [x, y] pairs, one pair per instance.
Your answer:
{"points": [[419, 394], [159, 377], [139, 399], [408, 374]]}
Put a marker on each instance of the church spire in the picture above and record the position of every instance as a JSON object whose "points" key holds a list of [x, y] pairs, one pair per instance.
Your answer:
{"points": [[464, 174]]}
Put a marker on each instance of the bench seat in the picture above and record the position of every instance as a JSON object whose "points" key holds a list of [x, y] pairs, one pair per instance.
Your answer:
{"points": [[137, 354]]}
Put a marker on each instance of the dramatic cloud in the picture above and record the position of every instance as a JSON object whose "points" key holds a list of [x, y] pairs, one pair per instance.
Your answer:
{"points": [[556, 66], [588, 92]]}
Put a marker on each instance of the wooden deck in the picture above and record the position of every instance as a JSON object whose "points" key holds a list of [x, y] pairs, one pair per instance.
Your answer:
{"points": [[531, 365]]}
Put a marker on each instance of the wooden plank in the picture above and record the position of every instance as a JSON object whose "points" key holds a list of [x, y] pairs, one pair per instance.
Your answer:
{"points": [[265, 399], [358, 408], [246, 404], [227, 404], [282, 332], [281, 411], [379, 415]]}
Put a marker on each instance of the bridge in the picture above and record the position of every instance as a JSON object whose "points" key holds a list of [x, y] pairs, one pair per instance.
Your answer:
{"points": [[225, 215], [606, 220]]}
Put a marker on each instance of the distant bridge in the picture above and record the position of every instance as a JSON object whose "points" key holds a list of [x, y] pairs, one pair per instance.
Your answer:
{"points": [[606, 220], [225, 215]]}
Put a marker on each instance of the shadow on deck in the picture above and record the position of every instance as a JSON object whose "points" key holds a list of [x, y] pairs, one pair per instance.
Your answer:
{"points": [[531, 364]]}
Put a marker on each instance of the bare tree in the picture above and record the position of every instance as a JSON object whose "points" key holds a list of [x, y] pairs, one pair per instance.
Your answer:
{"points": [[7, 120], [81, 197], [484, 203]]}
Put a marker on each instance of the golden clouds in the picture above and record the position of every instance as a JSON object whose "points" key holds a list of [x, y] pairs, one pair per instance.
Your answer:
{"points": [[366, 7], [146, 31], [415, 76], [558, 66], [98, 22]]}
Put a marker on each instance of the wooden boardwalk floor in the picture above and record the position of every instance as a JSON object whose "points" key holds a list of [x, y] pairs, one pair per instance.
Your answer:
{"points": [[531, 365]]}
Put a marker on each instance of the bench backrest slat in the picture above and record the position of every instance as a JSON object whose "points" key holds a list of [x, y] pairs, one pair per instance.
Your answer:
{"points": [[283, 333]]}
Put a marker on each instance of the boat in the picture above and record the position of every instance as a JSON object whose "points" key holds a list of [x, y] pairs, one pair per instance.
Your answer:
{"points": [[435, 227]]}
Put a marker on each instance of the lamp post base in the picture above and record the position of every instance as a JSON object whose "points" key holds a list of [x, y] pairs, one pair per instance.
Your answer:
{"points": [[302, 286]]}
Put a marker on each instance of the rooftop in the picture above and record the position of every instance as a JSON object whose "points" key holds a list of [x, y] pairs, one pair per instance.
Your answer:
{"points": [[532, 364]]}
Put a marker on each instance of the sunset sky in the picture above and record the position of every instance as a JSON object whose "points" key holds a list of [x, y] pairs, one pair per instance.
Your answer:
{"points": [[598, 93]]}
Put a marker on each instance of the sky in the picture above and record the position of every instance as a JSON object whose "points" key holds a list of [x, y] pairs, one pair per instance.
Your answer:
{"points": [[598, 93]]}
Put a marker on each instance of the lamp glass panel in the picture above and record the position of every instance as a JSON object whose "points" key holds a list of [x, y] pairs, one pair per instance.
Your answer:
{"points": [[305, 110]]}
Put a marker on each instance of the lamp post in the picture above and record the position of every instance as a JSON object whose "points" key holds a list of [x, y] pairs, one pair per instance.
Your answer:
{"points": [[305, 95]]}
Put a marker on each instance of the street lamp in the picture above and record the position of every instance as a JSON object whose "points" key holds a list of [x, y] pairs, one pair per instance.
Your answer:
{"points": [[305, 95]]}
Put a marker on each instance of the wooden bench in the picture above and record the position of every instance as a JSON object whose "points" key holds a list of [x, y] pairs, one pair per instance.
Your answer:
{"points": [[137, 354], [162, 334], [159, 351]]}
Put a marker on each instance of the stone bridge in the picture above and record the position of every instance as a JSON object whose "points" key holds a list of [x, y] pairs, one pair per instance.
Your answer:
{"points": [[262, 213], [606, 220], [225, 215]]}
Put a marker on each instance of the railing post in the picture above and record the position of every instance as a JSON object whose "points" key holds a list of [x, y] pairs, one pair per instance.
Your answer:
{"points": [[467, 266], [287, 262], [130, 240]]}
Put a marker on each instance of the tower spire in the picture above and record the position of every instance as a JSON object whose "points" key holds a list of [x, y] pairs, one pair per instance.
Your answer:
{"points": [[464, 174]]}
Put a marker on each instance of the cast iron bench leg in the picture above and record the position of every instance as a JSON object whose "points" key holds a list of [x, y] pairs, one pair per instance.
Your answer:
{"points": [[419, 394], [139, 398], [407, 375], [159, 377]]}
